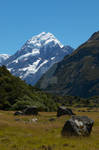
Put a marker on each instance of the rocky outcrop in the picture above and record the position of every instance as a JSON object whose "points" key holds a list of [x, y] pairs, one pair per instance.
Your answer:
{"points": [[31, 111], [18, 113], [64, 111], [78, 126], [28, 111]]}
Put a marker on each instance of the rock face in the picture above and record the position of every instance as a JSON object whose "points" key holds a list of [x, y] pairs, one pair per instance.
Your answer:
{"points": [[78, 126], [64, 111], [31, 111]]}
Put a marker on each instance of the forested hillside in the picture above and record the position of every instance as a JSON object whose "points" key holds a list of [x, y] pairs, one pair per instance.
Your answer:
{"points": [[16, 94]]}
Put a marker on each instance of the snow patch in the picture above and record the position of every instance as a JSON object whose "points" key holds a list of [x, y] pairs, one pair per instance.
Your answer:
{"points": [[32, 69], [15, 61], [10, 69], [52, 58], [25, 56]]}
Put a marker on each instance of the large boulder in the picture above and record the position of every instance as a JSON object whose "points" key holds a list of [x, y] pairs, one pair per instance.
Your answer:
{"points": [[31, 111], [62, 110], [18, 113], [78, 126]]}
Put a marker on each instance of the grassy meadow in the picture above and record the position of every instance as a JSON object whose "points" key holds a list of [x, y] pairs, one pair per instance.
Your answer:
{"points": [[20, 133]]}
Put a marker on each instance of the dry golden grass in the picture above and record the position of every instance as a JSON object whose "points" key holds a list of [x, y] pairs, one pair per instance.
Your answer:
{"points": [[18, 133]]}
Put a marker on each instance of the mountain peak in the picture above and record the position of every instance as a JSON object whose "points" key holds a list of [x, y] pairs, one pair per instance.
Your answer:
{"points": [[36, 56], [3, 57], [44, 39]]}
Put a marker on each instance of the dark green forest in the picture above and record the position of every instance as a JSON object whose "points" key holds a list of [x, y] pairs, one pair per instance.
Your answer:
{"points": [[16, 94]]}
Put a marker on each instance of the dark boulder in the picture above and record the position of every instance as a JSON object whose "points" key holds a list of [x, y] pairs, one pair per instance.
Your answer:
{"points": [[18, 113], [78, 126], [31, 111], [52, 119], [64, 111]]}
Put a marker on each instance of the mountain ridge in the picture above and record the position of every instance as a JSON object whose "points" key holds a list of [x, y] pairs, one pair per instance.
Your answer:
{"points": [[77, 74]]}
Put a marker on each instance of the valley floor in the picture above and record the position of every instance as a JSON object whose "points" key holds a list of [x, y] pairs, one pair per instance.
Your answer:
{"points": [[24, 133]]}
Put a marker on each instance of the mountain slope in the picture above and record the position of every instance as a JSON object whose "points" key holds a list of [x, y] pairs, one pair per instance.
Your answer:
{"points": [[36, 56], [77, 74], [3, 57], [16, 94]]}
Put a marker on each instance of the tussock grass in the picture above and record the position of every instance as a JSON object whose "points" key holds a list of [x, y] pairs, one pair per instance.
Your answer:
{"points": [[19, 133]]}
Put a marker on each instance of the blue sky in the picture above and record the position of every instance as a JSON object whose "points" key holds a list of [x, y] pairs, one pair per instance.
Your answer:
{"points": [[71, 21]]}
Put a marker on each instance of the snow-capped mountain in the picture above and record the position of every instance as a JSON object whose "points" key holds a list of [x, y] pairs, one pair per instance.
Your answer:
{"points": [[36, 56], [3, 57]]}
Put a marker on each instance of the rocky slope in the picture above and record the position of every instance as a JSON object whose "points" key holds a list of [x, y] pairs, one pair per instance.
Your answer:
{"points": [[77, 74]]}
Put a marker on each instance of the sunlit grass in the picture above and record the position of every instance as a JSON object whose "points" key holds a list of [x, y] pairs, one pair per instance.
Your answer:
{"points": [[18, 133]]}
